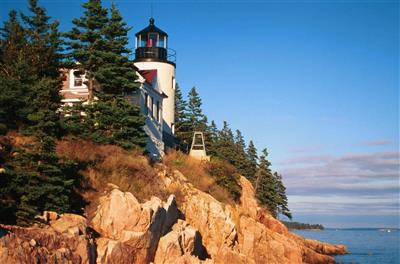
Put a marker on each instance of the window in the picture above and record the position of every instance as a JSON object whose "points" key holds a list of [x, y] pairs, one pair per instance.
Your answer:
{"points": [[158, 111], [152, 41], [146, 102], [78, 81], [152, 106]]}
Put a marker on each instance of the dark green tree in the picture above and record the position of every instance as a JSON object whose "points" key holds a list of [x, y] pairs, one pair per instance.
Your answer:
{"points": [[265, 185], [182, 125], [117, 75], [109, 120], [33, 179], [212, 139], [98, 44], [87, 44], [240, 160], [252, 163], [15, 74], [225, 146], [197, 120], [45, 43], [282, 200]]}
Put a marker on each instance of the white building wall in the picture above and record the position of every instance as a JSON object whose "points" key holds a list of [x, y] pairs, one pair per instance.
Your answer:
{"points": [[165, 84]]}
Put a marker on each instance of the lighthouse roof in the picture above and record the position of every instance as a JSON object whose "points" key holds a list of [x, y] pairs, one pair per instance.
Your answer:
{"points": [[151, 28]]}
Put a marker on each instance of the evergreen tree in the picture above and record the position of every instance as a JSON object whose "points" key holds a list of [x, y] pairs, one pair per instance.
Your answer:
{"points": [[34, 179], [98, 44], [14, 74], [282, 200], [44, 43], [197, 120], [252, 162], [212, 139], [182, 126], [109, 120], [265, 185], [226, 145], [87, 43], [240, 161], [117, 75]]}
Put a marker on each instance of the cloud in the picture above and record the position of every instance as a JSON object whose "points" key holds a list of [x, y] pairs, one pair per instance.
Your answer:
{"points": [[354, 183], [377, 142]]}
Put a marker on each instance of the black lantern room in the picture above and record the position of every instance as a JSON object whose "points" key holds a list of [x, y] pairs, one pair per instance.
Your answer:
{"points": [[151, 45]]}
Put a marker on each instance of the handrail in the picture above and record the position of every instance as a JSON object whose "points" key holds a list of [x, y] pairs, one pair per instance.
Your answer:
{"points": [[156, 53]]}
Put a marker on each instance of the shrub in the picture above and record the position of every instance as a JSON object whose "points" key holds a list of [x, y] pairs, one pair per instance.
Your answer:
{"points": [[207, 176], [225, 175], [129, 170]]}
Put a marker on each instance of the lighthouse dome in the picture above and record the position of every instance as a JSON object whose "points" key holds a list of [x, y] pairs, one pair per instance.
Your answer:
{"points": [[151, 45]]}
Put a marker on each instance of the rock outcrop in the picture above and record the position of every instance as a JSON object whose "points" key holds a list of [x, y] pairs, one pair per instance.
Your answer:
{"points": [[247, 233], [62, 240], [203, 230], [130, 230]]}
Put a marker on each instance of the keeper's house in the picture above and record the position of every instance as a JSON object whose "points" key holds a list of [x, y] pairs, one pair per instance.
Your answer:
{"points": [[156, 76]]}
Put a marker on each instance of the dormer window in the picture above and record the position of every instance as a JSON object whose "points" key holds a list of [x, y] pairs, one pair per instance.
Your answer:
{"points": [[78, 81]]}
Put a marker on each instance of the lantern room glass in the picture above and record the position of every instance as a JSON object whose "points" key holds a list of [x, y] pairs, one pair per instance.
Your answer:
{"points": [[151, 40]]}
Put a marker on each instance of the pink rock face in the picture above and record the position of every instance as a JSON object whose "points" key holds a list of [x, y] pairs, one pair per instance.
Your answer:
{"points": [[117, 212], [183, 240], [131, 231], [247, 200], [42, 245], [151, 232]]}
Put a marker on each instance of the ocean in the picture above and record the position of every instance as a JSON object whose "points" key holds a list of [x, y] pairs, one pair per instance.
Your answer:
{"points": [[366, 245]]}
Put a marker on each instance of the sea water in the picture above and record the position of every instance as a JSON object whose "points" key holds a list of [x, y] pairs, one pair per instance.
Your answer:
{"points": [[366, 246]]}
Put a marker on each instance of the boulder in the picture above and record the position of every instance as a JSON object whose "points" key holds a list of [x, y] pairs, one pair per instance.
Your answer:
{"points": [[42, 245], [214, 222], [70, 223], [182, 240], [130, 231], [117, 211], [248, 202]]}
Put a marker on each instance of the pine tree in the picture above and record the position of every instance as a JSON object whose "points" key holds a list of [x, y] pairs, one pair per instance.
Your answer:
{"points": [[44, 42], [252, 163], [14, 74], [87, 43], [240, 161], [212, 139], [226, 144], [182, 126], [103, 57], [109, 120], [117, 75], [265, 185], [34, 178], [197, 120], [282, 200]]}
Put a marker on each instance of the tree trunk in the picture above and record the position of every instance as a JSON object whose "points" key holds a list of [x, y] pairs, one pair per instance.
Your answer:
{"points": [[90, 89]]}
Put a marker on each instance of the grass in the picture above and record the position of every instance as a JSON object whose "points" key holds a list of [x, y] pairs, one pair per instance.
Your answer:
{"points": [[129, 170], [202, 175]]}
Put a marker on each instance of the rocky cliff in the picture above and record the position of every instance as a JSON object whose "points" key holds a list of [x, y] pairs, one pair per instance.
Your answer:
{"points": [[199, 230]]}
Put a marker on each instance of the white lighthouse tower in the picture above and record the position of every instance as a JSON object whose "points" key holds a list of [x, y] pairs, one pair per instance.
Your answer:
{"points": [[152, 54]]}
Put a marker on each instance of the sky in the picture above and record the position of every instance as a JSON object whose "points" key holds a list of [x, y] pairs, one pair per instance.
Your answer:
{"points": [[315, 82]]}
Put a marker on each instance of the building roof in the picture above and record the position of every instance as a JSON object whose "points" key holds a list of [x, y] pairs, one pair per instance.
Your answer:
{"points": [[151, 28], [148, 75]]}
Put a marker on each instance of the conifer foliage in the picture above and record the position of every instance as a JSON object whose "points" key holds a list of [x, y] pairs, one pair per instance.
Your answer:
{"points": [[226, 147], [33, 178], [98, 49]]}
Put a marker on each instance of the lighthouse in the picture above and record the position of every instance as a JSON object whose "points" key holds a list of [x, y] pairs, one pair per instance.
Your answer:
{"points": [[155, 59]]}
